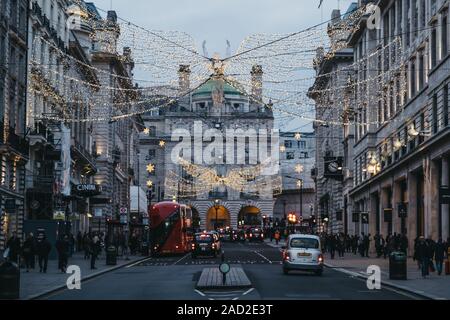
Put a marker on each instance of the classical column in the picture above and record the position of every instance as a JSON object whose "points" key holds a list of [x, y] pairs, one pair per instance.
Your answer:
{"points": [[445, 212], [411, 221], [431, 199]]}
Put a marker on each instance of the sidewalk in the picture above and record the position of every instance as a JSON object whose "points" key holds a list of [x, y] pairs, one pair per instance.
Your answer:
{"points": [[35, 284], [433, 287]]}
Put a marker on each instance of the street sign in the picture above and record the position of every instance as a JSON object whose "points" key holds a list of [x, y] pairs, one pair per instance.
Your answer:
{"points": [[98, 212], [123, 219], [123, 210]]}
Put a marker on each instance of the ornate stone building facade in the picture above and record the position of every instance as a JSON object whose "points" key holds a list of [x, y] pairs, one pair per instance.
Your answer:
{"points": [[219, 106]]}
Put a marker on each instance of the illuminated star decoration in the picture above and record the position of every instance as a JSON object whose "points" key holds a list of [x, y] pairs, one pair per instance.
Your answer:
{"points": [[299, 168], [150, 168], [283, 149], [147, 131], [162, 143], [149, 183], [298, 136]]}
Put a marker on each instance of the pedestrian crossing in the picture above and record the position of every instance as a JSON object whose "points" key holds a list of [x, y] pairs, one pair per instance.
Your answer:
{"points": [[162, 263]]}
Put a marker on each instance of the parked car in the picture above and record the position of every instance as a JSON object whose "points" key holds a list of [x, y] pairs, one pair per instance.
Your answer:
{"points": [[205, 244], [303, 252]]}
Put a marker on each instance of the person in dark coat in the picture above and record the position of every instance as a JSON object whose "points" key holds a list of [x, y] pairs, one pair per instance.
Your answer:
{"points": [[79, 242], [422, 255], [43, 248], [13, 245], [29, 251], [439, 254], [63, 248], [95, 248], [332, 246]]}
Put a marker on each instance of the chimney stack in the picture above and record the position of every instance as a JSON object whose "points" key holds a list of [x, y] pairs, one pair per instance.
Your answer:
{"points": [[257, 83], [184, 76]]}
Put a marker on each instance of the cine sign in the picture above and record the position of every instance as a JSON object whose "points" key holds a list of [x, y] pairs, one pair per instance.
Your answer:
{"points": [[87, 189]]}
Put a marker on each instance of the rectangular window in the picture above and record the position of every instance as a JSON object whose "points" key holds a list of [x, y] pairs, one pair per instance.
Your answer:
{"points": [[435, 114], [421, 70], [433, 48], [412, 78], [444, 35], [290, 156], [445, 105]]}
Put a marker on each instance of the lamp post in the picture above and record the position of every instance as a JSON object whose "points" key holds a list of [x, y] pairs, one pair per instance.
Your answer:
{"points": [[217, 207]]}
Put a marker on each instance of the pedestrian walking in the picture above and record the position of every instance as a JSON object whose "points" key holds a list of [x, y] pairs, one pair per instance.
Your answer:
{"points": [[86, 245], [439, 254], [332, 246], [422, 256], [43, 248], [79, 242], [277, 237], [63, 248], [29, 251], [94, 251], [367, 245], [13, 245]]}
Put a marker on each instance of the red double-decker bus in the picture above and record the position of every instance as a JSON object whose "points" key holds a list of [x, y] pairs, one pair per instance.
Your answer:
{"points": [[170, 228]]}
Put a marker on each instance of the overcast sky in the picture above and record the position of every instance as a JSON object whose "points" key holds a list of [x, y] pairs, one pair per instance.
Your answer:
{"points": [[219, 20]]}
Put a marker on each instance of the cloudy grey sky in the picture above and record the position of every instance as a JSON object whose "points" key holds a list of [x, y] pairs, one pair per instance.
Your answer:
{"points": [[219, 20]]}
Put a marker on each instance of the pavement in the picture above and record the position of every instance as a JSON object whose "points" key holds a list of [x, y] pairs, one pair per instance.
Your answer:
{"points": [[432, 287], [34, 284], [175, 278]]}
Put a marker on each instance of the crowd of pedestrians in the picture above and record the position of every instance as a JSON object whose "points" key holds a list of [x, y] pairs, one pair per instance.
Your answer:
{"points": [[38, 248], [429, 254]]}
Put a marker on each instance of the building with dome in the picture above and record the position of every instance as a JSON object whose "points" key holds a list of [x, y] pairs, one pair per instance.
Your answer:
{"points": [[215, 109]]}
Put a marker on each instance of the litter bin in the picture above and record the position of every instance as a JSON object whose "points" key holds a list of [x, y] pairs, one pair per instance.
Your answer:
{"points": [[9, 281], [398, 266], [111, 256]]}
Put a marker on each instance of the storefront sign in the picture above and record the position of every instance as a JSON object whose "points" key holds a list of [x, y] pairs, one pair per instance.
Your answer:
{"points": [[59, 215], [444, 195], [87, 190], [365, 218]]}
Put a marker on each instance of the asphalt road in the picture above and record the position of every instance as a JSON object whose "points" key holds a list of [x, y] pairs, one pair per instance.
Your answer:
{"points": [[174, 278]]}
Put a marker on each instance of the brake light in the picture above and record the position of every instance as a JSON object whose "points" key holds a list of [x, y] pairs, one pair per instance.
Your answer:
{"points": [[286, 256], [251, 235], [320, 259], [193, 246], [213, 246]]}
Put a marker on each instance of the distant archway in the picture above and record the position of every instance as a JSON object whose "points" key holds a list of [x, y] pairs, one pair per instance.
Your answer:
{"points": [[249, 216], [217, 218]]}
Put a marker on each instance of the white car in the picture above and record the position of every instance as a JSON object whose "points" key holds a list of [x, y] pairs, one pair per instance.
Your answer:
{"points": [[303, 252]]}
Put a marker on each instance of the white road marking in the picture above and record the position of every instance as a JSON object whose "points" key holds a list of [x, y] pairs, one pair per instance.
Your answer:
{"points": [[200, 293], [181, 259], [259, 254], [139, 262], [248, 291]]}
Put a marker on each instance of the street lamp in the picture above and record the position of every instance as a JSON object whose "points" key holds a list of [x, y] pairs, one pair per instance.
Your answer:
{"points": [[217, 207]]}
